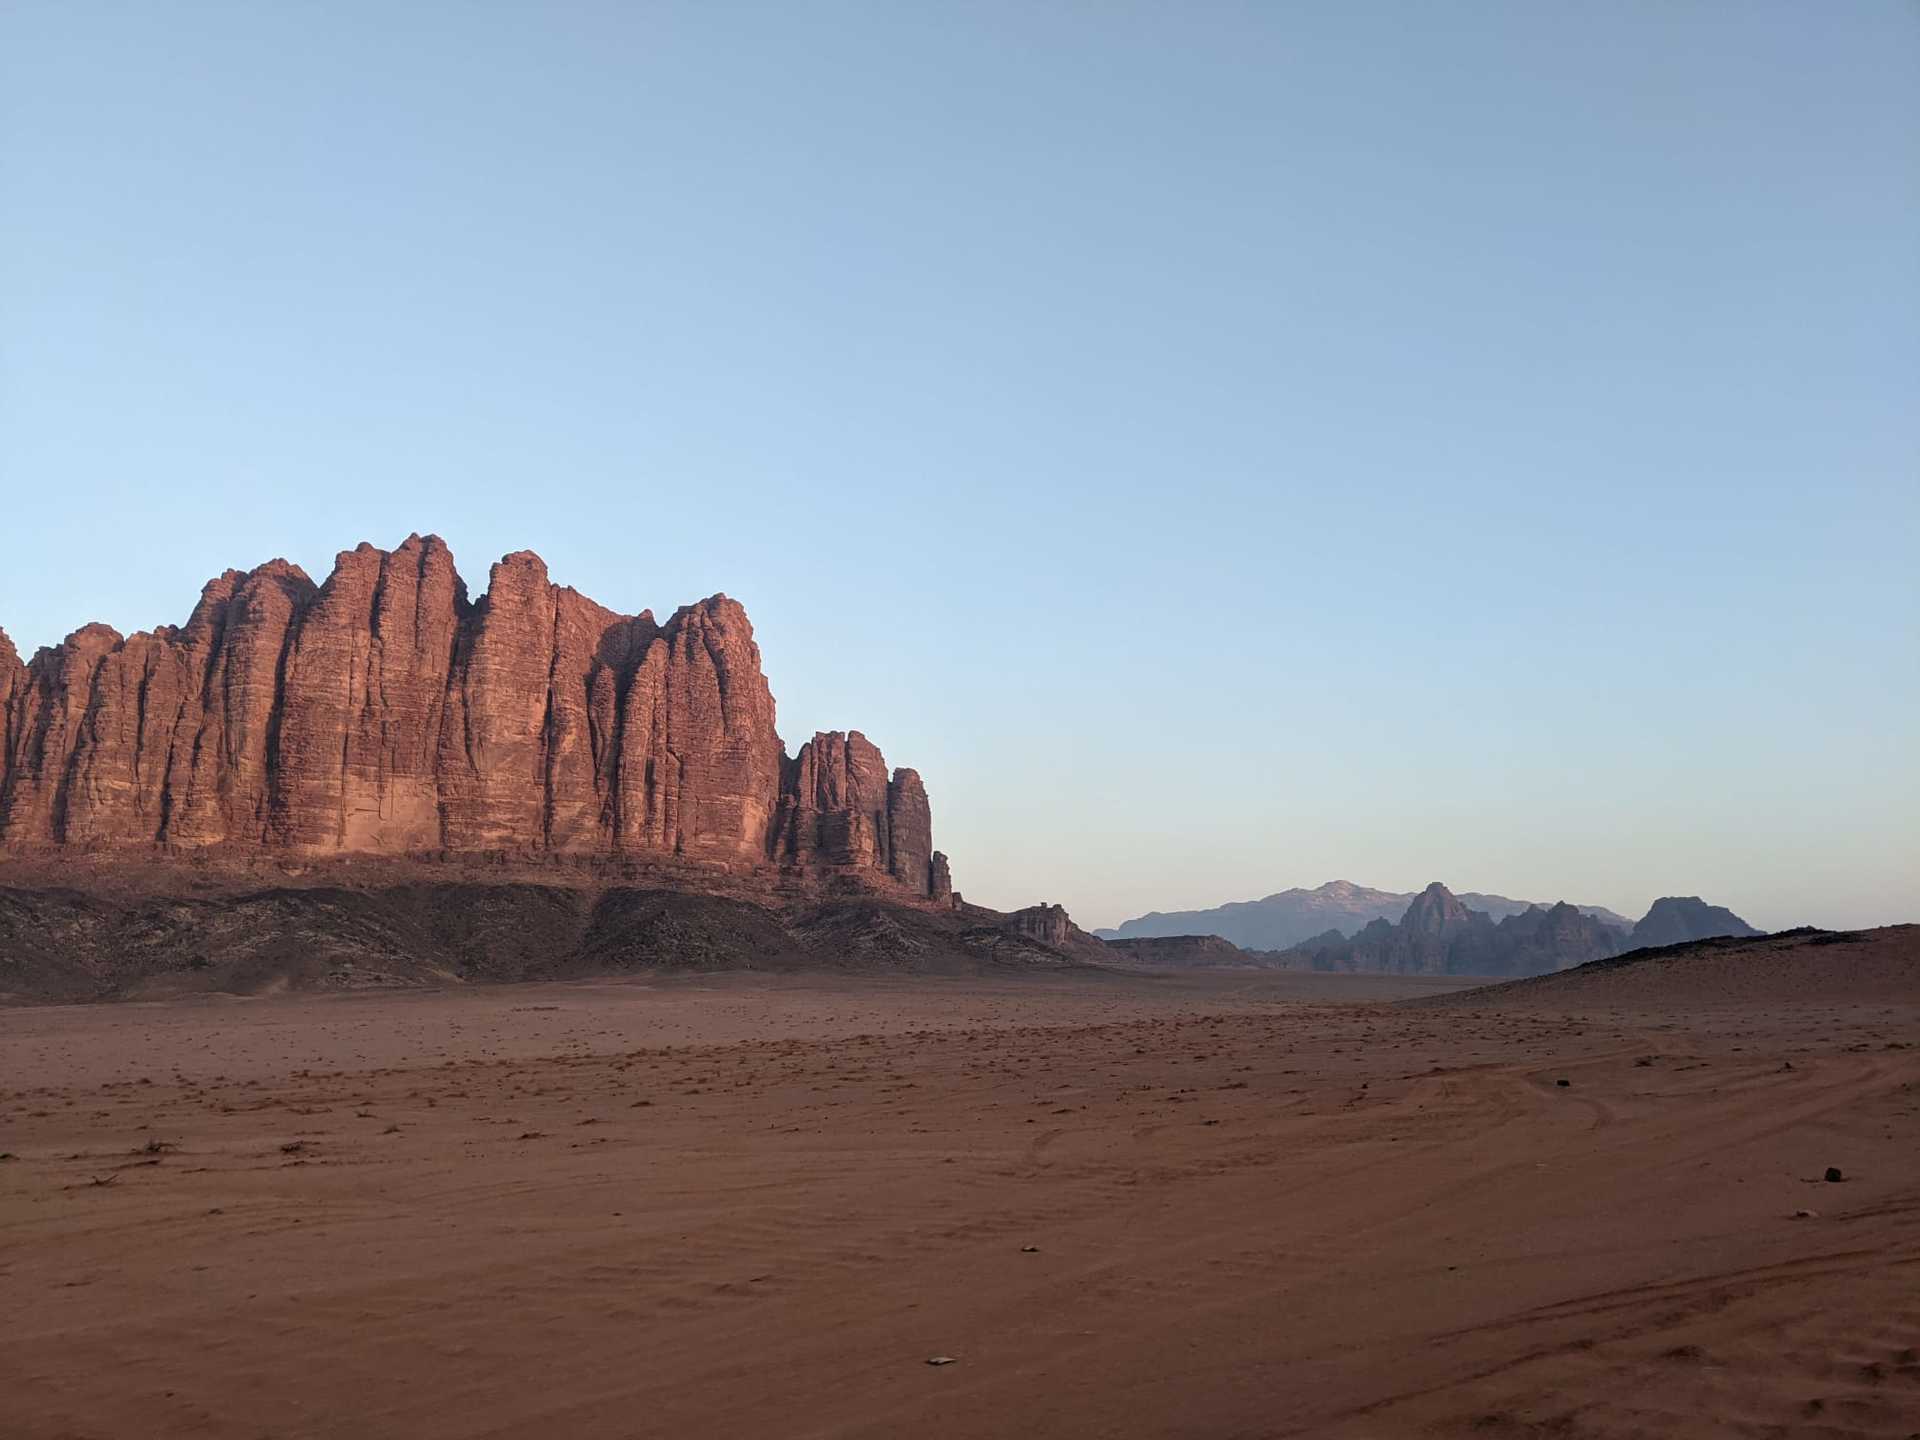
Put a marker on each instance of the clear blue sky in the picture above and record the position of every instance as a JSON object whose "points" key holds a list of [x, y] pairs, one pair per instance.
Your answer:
{"points": [[1223, 446]]}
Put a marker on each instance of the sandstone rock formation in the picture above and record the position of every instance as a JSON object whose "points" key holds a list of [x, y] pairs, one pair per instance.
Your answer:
{"points": [[1049, 924], [385, 713], [840, 808]]}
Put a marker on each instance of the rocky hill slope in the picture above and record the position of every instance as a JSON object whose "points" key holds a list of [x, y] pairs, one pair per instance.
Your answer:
{"points": [[428, 926], [383, 712]]}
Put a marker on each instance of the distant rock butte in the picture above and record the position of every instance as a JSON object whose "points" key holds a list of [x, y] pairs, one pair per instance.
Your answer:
{"points": [[1678, 919], [385, 713]]}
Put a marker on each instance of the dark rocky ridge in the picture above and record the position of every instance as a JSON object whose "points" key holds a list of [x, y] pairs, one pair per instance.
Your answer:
{"points": [[436, 928], [385, 713]]}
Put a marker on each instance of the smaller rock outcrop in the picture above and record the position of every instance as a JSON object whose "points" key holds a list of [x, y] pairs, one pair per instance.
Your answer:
{"points": [[1184, 952], [1049, 924]]}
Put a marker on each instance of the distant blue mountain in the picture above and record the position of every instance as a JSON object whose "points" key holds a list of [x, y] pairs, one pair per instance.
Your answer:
{"points": [[1290, 916]]}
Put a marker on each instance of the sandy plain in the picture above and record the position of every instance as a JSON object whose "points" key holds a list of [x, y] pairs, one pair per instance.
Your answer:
{"points": [[1213, 1206]]}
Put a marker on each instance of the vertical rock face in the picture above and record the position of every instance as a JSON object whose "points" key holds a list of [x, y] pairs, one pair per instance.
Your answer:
{"points": [[383, 713], [910, 830], [493, 749], [840, 809], [699, 762], [219, 782], [363, 679], [13, 681], [835, 811], [592, 648], [1049, 924], [50, 730]]}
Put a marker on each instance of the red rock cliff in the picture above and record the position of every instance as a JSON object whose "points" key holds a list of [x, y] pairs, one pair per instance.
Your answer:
{"points": [[384, 713]]}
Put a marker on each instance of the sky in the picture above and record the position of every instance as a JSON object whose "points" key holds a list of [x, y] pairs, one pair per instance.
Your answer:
{"points": [[1222, 446]]}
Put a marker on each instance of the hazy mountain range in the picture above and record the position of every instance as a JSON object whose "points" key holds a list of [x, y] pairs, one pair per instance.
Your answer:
{"points": [[1441, 935], [1286, 918]]}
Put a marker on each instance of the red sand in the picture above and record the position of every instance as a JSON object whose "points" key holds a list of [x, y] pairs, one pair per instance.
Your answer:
{"points": [[1129, 1207]]}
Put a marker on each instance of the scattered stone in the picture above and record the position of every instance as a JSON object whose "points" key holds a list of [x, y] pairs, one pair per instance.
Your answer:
{"points": [[1833, 1175], [940, 1359], [1029, 1249], [1806, 1214], [1564, 1084]]}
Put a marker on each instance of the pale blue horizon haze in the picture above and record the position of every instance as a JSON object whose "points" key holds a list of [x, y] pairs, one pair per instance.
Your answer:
{"points": [[1222, 446]]}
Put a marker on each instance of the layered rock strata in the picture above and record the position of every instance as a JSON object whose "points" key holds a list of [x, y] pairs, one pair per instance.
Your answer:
{"points": [[385, 713]]}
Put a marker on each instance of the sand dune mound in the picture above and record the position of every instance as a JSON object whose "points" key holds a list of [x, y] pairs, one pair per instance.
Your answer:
{"points": [[1794, 966]]}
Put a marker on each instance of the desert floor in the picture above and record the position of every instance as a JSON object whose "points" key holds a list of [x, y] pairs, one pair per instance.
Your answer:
{"points": [[1232, 1205]]}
